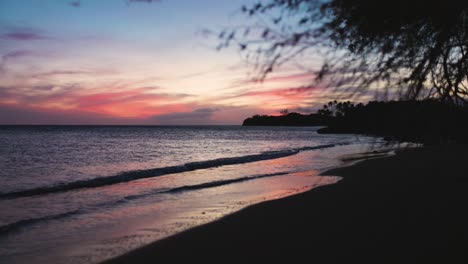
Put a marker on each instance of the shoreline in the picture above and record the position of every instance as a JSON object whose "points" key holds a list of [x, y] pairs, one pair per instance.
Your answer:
{"points": [[404, 208]]}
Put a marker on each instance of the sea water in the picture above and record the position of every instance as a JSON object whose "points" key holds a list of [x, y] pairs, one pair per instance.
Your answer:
{"points": [[84, 194]]}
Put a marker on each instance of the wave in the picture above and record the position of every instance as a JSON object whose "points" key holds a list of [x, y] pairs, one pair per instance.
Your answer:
{"points": [[155, 172], [222, 182], [5, 229], [11, 227]]}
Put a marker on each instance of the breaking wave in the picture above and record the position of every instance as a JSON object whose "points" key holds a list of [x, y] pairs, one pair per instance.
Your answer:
{"points": [[155, 172]]}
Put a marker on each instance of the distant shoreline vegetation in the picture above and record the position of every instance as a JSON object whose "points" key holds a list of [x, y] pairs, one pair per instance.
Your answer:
{"points": [[422, 121], [286, 119]]}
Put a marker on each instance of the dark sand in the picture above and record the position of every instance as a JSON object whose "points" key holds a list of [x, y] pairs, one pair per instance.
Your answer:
{"points": [[408, 208]]}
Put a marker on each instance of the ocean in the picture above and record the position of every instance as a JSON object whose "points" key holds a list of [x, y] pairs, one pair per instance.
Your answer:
{"points": [[84, 194]]}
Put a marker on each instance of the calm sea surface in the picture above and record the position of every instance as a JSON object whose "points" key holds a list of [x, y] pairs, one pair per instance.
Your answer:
{"points": [[83, 194]]}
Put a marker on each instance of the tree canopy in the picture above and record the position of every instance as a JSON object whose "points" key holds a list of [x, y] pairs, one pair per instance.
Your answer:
{"points": [[413, 49]]}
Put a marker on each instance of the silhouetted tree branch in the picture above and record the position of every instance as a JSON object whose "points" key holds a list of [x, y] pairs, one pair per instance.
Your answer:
{"points": [[413, 49]]}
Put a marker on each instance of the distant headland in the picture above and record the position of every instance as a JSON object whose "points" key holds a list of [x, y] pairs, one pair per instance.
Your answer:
{"points": [[423, 121], [287, 119]]}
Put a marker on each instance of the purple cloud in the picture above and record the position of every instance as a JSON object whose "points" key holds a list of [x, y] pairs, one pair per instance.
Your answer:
{"points": [[52, 73], [23, 34], [12, 55], [198, 116], [16, 54], [143, 1], [28, 94], [75, 3]]}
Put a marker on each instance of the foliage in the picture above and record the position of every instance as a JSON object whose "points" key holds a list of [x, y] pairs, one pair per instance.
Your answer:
{"points": [[410, 49], [337, 109], [427, 121], [290, 119]]}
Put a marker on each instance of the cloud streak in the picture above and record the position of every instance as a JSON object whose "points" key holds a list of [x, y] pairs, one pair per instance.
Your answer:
{"points": [[60, 72], [285, 78], [13, 55], [295, 92], [16, 54], [143, 1], [24, 34], [112, 101], [30, 115], [200, 116], [44, 75]]}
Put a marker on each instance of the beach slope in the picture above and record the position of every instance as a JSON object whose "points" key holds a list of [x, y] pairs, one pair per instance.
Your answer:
{"points": [[407, 208]]}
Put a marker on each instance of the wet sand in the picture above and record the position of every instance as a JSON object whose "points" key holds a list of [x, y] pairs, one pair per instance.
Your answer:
{"points": [[407, 208]]}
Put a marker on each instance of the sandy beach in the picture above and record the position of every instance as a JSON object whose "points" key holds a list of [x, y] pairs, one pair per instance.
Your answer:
{"points": [[407, 208]]}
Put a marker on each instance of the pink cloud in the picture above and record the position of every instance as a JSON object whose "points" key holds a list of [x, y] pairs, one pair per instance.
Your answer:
{"points": [[199, 116], [273, 100], [14, 114], [187, 114], [107, 97], [296, 92], [132, 109], [138, 102], [113, 97]]}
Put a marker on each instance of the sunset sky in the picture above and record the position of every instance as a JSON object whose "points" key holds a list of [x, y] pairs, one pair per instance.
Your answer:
{"points": [[133, 62]]}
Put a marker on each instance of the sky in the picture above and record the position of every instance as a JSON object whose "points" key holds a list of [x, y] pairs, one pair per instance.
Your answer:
{"points": [[134, 62]]}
